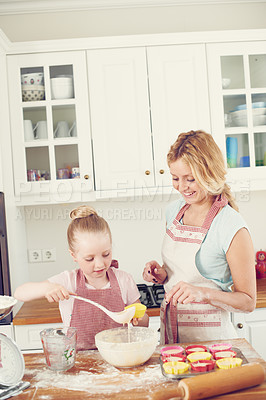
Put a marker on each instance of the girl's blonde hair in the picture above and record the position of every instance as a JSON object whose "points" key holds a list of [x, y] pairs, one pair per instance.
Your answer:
{"points": [[85, 219], [200, 152]]}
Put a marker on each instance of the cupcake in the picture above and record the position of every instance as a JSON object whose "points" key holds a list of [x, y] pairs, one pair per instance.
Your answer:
{"points": [[181, 358], [226, 363], [194, 349], [175, 367], [199, 355], [224, 354], [220, 347], [172, 351], [202, 365]]}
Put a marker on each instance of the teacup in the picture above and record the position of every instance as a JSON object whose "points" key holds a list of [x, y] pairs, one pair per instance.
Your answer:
{"points": [[41, 130], [62, 130], [28, 130]]}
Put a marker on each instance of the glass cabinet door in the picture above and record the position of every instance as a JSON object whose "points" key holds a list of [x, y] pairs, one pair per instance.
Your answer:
{"points": [[243, 81], [237, 80], [51, 129]]}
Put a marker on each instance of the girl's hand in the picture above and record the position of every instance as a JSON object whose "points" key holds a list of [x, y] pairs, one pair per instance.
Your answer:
{"points": [[153, 272], [57, 292], [185, 293]]}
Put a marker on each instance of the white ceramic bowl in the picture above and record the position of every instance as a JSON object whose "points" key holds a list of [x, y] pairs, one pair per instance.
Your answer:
{"points": [[35, 78], [115, 348], [32, 92], [6, 305], [62, 87]]}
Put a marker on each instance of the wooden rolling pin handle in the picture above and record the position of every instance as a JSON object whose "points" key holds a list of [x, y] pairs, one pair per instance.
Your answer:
{"points": [[216, 383], [222, 381]]}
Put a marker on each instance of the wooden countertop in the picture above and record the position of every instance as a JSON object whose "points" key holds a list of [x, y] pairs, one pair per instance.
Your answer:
{"points": [[42, 312], [92, 378]]}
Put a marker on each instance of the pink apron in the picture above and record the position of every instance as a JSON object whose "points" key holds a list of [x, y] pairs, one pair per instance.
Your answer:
{"points": [[196, 321], [89, 319]]}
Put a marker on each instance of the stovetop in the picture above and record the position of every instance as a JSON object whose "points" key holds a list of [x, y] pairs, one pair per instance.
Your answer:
{"points": [[151, 295]]}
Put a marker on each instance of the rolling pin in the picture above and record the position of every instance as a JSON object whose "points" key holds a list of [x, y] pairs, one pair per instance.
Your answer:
{"points": [[214, 383]]}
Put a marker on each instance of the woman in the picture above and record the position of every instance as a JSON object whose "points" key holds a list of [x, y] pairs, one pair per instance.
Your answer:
{"points": [[208, 258]]}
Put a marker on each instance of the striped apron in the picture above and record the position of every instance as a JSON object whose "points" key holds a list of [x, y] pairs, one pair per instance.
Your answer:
{"points": [[89, 319], [197, 321]]}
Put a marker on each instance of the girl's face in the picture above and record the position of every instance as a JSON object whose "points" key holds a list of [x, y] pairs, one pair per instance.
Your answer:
{"points": [[93, 253], [184, 182]]}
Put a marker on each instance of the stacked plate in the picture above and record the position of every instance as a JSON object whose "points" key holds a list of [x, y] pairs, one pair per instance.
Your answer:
{"points": [[239, 114]]}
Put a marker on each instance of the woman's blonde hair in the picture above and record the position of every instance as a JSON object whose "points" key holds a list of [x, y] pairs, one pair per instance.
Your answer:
{"points": [[85, 219], [200, 152]]}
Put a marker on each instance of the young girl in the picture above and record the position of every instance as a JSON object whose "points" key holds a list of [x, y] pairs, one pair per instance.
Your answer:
{"points": [[97, 278]]}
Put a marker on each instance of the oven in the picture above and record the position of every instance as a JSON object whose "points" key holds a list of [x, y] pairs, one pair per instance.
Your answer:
{"points": [[4, 265]]}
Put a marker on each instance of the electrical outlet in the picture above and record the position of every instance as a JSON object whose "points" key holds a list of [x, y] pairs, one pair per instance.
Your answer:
{"points": [[34, 256], [48, 255]]}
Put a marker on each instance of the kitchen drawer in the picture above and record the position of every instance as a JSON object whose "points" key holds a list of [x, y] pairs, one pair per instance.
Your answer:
{"points": [[27, 337], [7, 330]]}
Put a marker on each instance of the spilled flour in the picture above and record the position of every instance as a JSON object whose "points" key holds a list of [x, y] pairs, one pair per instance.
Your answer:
{"points": [[112, 380]]}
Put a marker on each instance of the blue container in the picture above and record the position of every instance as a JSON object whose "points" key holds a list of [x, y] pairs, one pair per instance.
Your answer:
{"points": [[231, 151], [244, 161]]}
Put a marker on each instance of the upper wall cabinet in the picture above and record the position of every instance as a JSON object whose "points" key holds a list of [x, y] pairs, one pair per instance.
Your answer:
{"points": [[140, 100], [120, 119], [237, 77], [179, 98], [50, 125]]}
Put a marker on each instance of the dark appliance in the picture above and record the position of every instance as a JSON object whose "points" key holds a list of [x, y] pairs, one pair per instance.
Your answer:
{"points": [[4, 265], [151, 295]]}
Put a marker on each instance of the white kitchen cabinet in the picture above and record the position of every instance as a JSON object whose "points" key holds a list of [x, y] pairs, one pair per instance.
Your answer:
{"points": [[154, 323], [120, 119], [252, 327], [43, 163], [140, 101], [179, 99], [237, 79], [7, 330], [27, 337]]}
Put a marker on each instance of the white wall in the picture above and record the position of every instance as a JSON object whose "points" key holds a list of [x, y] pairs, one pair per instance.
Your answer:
{"points": [[128, 21], [137, 227]]}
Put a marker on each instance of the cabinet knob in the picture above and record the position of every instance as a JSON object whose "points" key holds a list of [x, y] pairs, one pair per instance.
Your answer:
{"points": [[147, 172], [240, 326], [161, 171], [86, 176]]}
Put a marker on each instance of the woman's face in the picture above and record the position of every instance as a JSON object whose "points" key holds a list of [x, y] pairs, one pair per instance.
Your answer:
{"points": [[184, 182], [93, 253]]}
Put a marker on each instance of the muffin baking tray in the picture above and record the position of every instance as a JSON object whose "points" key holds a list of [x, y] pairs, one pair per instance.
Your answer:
{"points": [[191, 373]]}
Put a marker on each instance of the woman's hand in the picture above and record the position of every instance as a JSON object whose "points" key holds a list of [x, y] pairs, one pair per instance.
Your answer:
{"points": [[57, 292], [153, 272], [185, 293]]}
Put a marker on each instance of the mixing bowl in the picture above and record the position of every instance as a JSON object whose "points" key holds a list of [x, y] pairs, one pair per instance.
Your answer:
{"points": [[123, 347]]}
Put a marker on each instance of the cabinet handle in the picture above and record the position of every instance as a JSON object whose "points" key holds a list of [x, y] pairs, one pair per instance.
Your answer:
{"points": [[161, 171], [86, 176], [240, 326], [147, 172]]}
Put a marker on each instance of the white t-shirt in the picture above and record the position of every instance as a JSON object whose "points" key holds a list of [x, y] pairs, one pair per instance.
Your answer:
{"points": [[128, 287]]}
